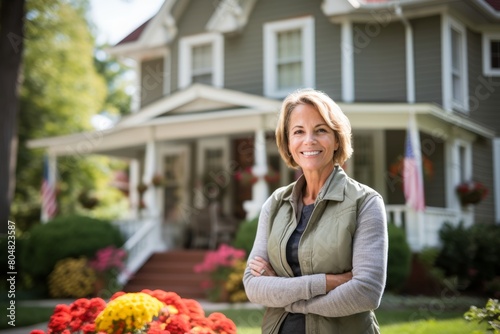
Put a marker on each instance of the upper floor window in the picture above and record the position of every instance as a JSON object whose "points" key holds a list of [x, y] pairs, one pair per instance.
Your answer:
{"points": [[201, 60], [455, 65], [288, 56], [491, 54]]}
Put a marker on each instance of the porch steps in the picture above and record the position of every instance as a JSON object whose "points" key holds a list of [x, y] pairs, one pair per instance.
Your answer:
{"points": [[171, 271]]}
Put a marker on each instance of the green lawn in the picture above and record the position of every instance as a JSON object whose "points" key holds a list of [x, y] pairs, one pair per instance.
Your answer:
{"points": [[248, 321]]}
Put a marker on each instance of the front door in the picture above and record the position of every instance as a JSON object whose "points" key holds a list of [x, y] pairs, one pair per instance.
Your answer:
{"points": [[175, 197]]}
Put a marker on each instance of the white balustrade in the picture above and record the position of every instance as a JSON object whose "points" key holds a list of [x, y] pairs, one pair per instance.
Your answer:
{"points": [[433, 220]]}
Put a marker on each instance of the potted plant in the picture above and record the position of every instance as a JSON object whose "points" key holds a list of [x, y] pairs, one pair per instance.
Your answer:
{"points": [[471, 192]]}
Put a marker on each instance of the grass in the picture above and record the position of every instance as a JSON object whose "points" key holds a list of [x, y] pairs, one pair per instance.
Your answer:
{"points": [[404, 321], [26, 316]]}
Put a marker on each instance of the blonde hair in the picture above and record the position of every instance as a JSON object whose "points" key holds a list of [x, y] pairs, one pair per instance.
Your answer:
{"points": [[329, 111]]}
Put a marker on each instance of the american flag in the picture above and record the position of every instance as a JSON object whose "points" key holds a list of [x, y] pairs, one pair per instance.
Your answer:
{"points": [[413, 181], [49, 202]]}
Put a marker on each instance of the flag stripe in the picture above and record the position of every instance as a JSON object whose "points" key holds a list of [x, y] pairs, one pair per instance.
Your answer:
{"points": [[48, 192], [413, 182]]}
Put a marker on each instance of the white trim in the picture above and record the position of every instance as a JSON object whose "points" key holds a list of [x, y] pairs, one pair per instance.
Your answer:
{"points": [[271, 29], [454, 169], [167, 74], [496, 171], [410, 62], [486, 40], [347, 61], [448, 23], [186, 45], [230, 16], [135, 103]]}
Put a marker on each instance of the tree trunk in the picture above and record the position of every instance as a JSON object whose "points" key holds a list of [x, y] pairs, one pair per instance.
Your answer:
{"points": [[11, 49]]}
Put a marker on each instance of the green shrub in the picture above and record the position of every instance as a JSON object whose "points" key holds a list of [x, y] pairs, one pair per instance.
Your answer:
{"points": [[64, 237], [246, 235], [399, 258], [490, 314], [470, 254]]}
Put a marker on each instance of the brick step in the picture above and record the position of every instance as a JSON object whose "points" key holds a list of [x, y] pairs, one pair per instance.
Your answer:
{"points": [[183, 291], [168, 268], [171, 271]]}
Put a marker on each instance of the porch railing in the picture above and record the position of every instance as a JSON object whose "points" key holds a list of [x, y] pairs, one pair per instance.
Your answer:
{"points": [[422, 229], [143, 238]]}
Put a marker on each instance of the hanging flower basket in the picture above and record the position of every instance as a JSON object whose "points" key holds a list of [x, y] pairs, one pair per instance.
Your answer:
{"points": [[397, 167], [158, 180], [246, 177], [471, 192]]}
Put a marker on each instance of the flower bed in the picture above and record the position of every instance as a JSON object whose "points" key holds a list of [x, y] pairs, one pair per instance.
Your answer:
{"points": [[145, 312]]}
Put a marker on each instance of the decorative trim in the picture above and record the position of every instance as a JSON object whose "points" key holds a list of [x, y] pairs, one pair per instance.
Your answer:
{"points": [[496, 177], [230, 16], [347, 61], [487, 38], [271, 29], [186, 45], [449, 104]]}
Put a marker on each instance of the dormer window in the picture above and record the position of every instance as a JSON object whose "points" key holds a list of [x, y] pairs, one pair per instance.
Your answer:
{"points": [[491, 54], [201, 60], [288, 56]]}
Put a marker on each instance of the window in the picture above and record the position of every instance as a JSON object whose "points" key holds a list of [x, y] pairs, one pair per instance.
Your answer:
{"points": [[455, 66], [288, 56], [201, 60], [491, 54]]}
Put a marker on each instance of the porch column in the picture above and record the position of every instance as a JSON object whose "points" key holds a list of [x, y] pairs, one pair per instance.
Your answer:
{"points": [[149, 171], [134, 177], [260, 189]]}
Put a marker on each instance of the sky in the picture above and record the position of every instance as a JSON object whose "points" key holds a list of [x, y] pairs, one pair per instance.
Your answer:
{"points": [[115, 19]]}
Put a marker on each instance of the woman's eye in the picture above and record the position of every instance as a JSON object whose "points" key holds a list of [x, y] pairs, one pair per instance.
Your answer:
{"points": [[322, 130]]}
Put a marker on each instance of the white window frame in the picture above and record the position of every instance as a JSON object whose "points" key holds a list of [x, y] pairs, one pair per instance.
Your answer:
{"points": [[487, 70], [271, 30], [496, 165], [449, 23], [186, 45]]}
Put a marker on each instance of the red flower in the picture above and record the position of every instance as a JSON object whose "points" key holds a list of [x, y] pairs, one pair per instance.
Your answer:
{"points": [[222, 324]]}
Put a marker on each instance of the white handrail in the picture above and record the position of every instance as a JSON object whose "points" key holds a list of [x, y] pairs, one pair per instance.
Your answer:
{"points": [[141, 244]]}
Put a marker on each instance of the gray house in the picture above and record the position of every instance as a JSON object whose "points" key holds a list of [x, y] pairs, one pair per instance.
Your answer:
{"points": [[211, 76]]}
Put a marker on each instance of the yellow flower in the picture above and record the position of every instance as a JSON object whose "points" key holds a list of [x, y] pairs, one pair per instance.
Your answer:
{"points": [[128, 312]]}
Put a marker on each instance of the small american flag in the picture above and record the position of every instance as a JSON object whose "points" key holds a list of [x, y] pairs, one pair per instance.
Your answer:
{"points": [[413, 181], [49, 202]]}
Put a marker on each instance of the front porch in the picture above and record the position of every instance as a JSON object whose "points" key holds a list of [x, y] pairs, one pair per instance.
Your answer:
{"points": [[143, 235]]}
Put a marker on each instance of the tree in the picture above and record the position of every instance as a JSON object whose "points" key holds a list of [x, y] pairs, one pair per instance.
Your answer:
{"points": [[11, 50], [61, 91]]}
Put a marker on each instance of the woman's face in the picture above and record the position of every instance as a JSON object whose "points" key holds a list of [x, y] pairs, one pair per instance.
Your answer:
{"points": [[311, 141]]}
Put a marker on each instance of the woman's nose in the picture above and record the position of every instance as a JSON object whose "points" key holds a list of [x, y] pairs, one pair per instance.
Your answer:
{"points": [[310, 138]]}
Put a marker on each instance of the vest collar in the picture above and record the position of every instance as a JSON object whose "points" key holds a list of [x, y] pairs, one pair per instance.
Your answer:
{"points": [[333, 189]]}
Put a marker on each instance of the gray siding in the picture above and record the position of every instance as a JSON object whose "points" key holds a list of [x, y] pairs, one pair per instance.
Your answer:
{"points": [[244, 52], [379, 62], [482, 166], [433, 149], [152, 77], [484, 92], [427, 54], [193, 20], [484, 103]]}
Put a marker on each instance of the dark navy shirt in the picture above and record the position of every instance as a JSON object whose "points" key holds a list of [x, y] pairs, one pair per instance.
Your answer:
{"points": [[295, 323]]}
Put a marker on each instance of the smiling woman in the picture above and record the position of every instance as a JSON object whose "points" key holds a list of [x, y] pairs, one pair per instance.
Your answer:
{"points": [[337, 224]]}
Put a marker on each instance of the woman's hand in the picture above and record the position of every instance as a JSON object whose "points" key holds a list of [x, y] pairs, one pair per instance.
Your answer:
{"points": [[335, 280], [260, 267]]}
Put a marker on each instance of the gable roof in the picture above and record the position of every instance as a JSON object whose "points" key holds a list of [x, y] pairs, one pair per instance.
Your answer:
{"points": [[159, 30], [196, 98]]}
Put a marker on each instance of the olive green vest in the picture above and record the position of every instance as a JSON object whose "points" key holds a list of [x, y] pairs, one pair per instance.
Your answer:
{"points": [[325, 247]]}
